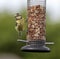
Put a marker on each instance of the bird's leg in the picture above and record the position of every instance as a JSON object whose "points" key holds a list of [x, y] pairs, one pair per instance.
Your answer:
{"points": [[19, 34]]}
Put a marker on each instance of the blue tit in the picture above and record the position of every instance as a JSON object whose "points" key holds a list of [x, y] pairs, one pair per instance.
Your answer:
{"points": [[19, 22]]}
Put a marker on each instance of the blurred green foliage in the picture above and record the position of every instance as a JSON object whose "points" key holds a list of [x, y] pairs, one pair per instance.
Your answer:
{"points": [[9, 44]]}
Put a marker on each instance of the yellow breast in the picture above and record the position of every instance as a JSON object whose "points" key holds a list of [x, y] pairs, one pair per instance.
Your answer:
{"points": [[18, 21]]}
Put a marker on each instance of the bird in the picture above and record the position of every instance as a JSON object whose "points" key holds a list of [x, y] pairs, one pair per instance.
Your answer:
{"points": [[19, 24]]}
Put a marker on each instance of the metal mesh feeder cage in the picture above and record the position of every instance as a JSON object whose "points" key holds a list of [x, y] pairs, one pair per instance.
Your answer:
{"points": [[36, 35]]}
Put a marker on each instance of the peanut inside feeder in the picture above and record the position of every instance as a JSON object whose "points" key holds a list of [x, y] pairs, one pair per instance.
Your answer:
{"points": [[36, 23]]}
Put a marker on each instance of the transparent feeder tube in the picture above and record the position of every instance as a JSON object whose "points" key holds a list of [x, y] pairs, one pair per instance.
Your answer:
{"points": [[36, 20]]}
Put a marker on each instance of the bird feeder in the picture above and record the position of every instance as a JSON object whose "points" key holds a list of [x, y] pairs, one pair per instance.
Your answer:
{"points": [[36, 34]]}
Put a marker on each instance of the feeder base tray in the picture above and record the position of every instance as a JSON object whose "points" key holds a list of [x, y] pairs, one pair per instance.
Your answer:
{"points": [[35, 48]]}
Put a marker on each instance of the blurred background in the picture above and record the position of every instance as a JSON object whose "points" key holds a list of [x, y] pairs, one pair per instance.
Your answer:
{"points": [[9, 47]]}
